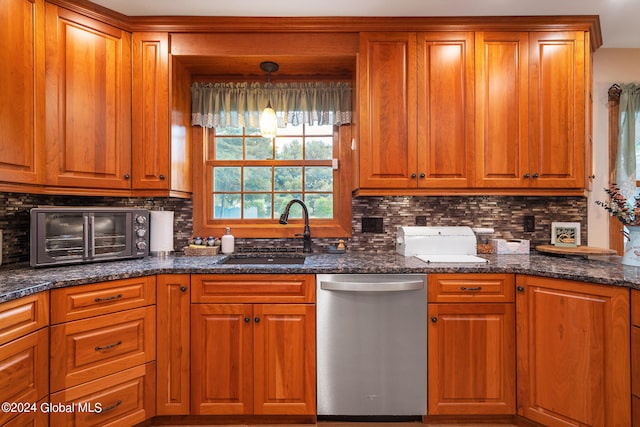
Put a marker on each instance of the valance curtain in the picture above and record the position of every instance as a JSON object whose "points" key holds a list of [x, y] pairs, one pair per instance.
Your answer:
{"points": [[240, 104]]}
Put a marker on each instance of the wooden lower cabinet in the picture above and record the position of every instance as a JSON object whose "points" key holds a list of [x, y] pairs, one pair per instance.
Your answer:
{"points": [[253, 359], [173, 340], [25, 371], [471, 344], [24, 357], [253, 347], [573, 354], [122, 399], [102, 353]]}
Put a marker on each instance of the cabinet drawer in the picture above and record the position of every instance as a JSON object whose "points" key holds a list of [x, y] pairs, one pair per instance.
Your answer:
{"points": [[253, 288], [124, 399], [470, 287], [91, 348], [24, 367], [80, 302], [23, 316]]}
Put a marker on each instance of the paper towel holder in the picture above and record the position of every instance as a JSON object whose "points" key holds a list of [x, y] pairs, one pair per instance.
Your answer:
{"points": [[161, 229]]}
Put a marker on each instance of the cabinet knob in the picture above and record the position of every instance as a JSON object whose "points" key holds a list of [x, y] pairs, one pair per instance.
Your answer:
{"points": [[413, 175], [535, 175], [520, 288], [127, 176], [592, 177], [434, 319], [527, 175], [247, 319], [183, 289], [257, 320], [422, 175], [161, 177]]}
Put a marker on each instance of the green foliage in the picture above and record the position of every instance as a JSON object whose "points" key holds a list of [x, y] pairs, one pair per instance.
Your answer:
{"points": [[249, 190]]}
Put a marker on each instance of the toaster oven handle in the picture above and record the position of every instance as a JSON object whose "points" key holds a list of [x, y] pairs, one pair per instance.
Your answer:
{"points": [[86, 233], [92, 236]]}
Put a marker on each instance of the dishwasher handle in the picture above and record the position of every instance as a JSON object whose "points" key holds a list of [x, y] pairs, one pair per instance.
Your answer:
{"points": [[372, 286]]}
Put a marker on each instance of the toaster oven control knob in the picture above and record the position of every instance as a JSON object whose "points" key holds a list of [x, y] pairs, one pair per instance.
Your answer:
{"points": [[141, 219], [141, 232], [141, 245]]}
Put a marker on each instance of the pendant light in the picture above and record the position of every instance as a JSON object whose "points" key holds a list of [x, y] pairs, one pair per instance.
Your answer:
{"points": [[268, 119]]}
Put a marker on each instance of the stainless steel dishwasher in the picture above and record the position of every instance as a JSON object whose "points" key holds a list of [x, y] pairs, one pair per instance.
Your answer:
{"points": [[371, 344]]}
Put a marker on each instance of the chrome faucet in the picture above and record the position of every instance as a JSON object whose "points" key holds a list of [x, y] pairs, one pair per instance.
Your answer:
{"points": [[306, 235]]}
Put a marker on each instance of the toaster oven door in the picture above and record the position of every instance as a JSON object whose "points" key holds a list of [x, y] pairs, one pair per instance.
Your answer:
{"points": [[58, 238]]}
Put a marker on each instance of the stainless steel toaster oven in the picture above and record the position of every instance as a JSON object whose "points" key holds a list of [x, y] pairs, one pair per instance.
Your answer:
{"points": [[61, 235]]}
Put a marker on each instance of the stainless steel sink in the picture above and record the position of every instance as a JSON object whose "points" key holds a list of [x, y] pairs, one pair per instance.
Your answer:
{"points": [[264, 260]]}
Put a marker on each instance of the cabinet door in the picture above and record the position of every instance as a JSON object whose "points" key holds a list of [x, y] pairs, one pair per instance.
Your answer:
{"points": [[22, 91], [502, 109], [221, 359], [150, 113], [557, 115], [471, 356], [445, 109], [284, 361], [25, 369], [89, 105], [573, 353], [387, 102], [173, 338]]}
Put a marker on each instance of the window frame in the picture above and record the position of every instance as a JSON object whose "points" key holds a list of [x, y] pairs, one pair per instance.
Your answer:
{"points": [[203, 225]]}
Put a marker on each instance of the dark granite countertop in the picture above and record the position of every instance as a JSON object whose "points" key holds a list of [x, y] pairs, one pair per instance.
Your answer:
{"points": [[22, 281]]}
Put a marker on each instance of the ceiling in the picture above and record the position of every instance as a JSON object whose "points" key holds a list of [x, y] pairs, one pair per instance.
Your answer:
{"points": [[618, 18]]}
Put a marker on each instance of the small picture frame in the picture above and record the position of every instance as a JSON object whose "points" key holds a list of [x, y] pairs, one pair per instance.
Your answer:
{"points": [[565, 234]]}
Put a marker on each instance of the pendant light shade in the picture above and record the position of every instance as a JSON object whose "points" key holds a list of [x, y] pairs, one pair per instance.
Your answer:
{"points": [[268, 122], [268, 119]]}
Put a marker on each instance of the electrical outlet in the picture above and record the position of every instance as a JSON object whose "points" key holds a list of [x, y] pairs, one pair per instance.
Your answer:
{"points": [[421, 220], [372, 225], [529, 223]]}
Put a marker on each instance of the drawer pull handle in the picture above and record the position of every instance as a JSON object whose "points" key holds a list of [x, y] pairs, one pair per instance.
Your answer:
{"points": [[109, 346], [110, 298], [477, 288], [112, 407]]}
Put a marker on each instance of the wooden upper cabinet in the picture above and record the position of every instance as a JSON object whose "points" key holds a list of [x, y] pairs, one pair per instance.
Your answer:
{"points": [[445, 109], [88, 109], [22, 91], [387, 94], [150, 111], [557, 102], [502, 105]]}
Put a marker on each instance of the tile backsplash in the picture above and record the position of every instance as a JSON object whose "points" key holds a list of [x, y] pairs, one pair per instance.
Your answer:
{"points": [[504, 213]]}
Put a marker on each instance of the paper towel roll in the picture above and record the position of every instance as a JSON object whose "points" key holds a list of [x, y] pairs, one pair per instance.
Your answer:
{"points": [[161, 238]]}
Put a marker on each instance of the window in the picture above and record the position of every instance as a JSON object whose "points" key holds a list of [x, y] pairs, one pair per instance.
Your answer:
{"points": [[245, 180], [255, 177]]}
